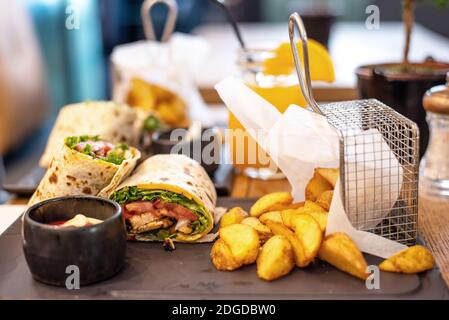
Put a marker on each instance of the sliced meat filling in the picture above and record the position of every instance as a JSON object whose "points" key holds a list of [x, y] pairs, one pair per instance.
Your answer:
{"points": [[144, 216]]}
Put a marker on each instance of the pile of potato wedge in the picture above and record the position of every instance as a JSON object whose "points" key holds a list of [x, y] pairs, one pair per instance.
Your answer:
{"points": [[168, 106], [278, 235]]}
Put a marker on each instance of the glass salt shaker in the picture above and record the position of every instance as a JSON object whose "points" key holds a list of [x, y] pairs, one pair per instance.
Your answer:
{"points": [[434, 167]]}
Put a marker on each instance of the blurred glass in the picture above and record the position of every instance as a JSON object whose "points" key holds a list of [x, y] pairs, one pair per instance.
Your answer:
{"points": [[280, 90]]}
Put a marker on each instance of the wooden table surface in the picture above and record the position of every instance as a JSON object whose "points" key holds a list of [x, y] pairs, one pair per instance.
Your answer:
{"points": [[433, 219]]}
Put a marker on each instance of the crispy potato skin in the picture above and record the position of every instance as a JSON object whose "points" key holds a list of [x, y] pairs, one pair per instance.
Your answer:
{"points": [[270, 201], [281, 207], [222, 257], [412, 260], [263, 231], [330, 174], [271, 216], [339, 250], [243, 242], [309, 233], [388, 266], [325, 199], [316, 186], [298, 250], [288, 216], [319, 215], [275, 259], [233, 216], [312, 206], [321, 218]]}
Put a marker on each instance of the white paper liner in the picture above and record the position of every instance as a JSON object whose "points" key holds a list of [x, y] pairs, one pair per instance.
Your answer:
{"points": [[299, 141]]}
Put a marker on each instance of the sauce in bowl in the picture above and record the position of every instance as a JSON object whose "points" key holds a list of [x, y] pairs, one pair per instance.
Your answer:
{"points": [[78, 221]]}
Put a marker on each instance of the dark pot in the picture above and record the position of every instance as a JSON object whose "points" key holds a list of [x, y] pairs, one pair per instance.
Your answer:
{"points": [[176, 141], [402, 91], [98, 251]]}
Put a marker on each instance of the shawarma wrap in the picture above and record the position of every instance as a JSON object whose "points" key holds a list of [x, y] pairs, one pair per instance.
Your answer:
{"points": [[86, 165], [167, 196], [110, 120]]}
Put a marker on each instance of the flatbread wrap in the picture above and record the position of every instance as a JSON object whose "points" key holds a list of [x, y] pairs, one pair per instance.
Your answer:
{"points": [[86, 165], [167, 196], [112, 121]]}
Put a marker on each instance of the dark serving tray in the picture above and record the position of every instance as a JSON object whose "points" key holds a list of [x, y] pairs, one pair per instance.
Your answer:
{"points": [[26, 186], [187, 273]]}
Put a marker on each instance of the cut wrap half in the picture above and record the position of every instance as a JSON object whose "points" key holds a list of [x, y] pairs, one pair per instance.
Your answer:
{"points": [[111, 121], [86, 165], [167, 196]]}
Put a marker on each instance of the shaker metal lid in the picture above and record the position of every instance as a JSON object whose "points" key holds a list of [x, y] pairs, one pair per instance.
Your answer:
{"points": [[436, 99]]}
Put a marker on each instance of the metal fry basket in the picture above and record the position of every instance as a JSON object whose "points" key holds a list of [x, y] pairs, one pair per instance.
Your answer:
{"points": [[379, 156]]}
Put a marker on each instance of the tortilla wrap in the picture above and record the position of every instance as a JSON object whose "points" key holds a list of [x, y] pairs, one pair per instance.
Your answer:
{"points": [[74, 173], [174, 176], [112, 121]]}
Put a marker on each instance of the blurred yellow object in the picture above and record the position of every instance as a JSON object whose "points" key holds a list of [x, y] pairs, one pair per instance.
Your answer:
{"points": [[141, 95], [321, 66], [274, 79], [151, 98], [251, 155]]}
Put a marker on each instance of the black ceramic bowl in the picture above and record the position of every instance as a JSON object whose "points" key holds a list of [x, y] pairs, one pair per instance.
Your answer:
{"points": [[98, 251]]}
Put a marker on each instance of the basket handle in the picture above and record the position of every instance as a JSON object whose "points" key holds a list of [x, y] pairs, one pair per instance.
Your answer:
{"points": [[145, 14], [302, 71]]}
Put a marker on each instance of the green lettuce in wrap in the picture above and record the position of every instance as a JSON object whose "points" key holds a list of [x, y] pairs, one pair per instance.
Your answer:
{"points": [[99, 149], [135, 198], [168, 196], [86, 165]]}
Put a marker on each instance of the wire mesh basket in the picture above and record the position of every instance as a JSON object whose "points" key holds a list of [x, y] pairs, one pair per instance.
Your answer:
{"points": [[379, 157]]}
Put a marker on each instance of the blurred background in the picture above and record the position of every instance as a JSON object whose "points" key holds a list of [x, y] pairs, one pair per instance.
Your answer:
{"points": [[49, 59], [76, 61]]}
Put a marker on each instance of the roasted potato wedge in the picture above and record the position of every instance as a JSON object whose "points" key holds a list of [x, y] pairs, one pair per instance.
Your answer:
{"points": [[388, 266], [414, 259], [263, 231], [339, 250], [243, 242], [298, 249], [222, 257], [270, 201], [312, 206], [271, 216], [275, 259], [316, 186], [140, 95], [324, 200], [330, 174], [233, 216], [288, 215], [281, 207], [309, 233], [320, 217], [314, 211], [163, 94]]}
